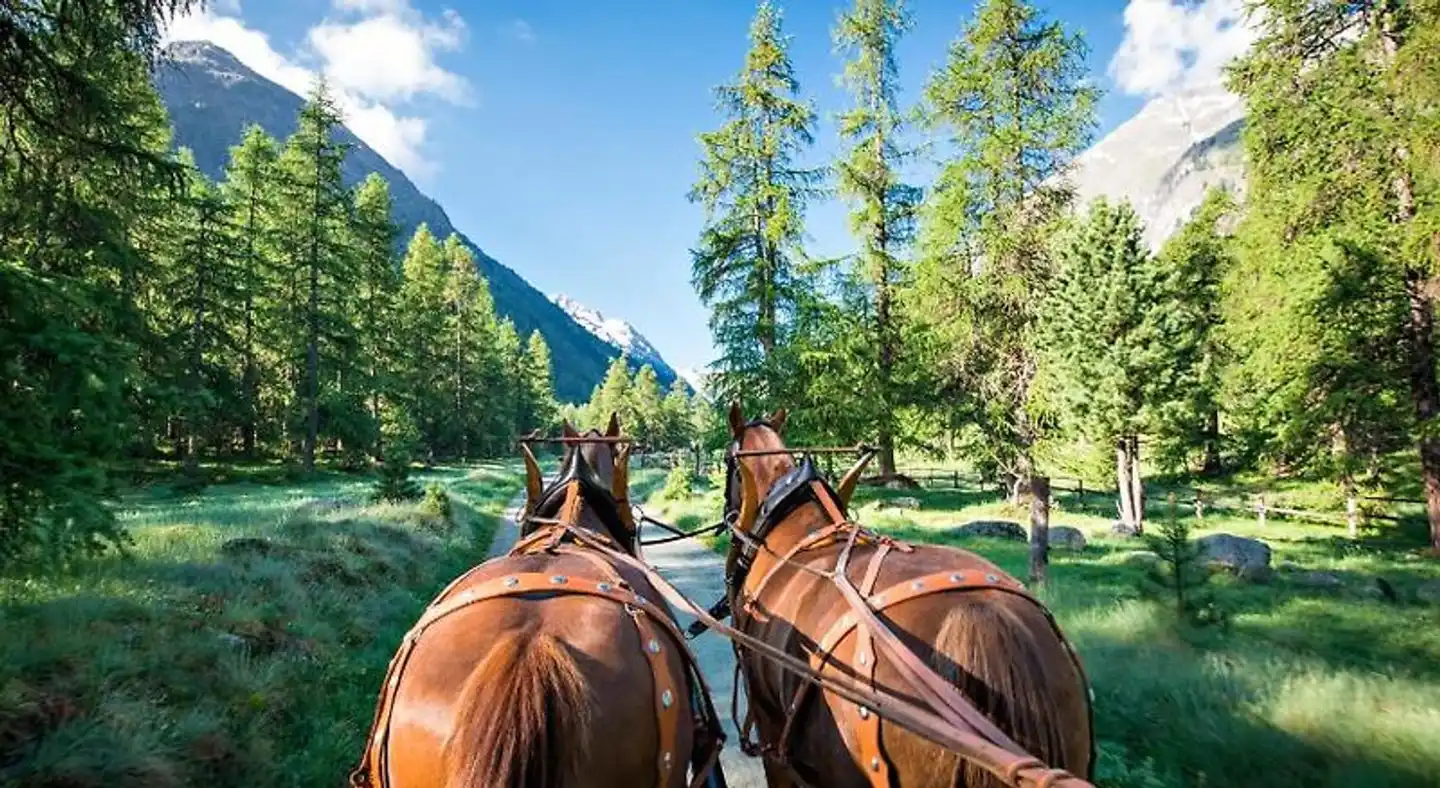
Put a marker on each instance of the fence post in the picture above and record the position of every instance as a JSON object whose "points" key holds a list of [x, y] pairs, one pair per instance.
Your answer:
{"points": [[1352, 515], [1260, 511], [1080, 487], [1199, 507]]}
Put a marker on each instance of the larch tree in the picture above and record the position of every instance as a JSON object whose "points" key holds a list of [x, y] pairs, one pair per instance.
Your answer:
{"points": [[1340, 140], [1015, 101], [754, 192], [538, 406], [379, 277], [422, 347], [315, 210], [883, 206], [250, 189]]}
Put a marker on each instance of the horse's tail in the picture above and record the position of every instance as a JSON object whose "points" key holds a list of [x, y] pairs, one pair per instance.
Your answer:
{"points": [[524, 714], [1005, 657]]}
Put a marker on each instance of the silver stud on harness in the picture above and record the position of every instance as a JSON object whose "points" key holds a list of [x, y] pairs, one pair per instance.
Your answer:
{"points": [[558, 579], [653, 646], [511, 582], [603, 587], [666, 699]]}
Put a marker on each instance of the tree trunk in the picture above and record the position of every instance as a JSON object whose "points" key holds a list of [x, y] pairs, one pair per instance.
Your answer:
{"points": [[1137, 488], [1122, 483], [1419, 329], [1039, 529], [1212, 464]]}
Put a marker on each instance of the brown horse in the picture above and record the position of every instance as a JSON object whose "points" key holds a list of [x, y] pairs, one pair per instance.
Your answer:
{"points": [[554, 666], [960, 615]]}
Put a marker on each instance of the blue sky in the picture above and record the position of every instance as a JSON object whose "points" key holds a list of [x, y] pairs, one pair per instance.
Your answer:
{"points": [[560, 136]]}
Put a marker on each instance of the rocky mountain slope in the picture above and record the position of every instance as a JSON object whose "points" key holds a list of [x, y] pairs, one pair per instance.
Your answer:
{"points": [[618, 334], [212, 96], [1166, 157]]}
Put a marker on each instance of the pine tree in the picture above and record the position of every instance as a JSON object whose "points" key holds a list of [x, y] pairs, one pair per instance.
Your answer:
{"points": [[314, 209], [84, 173], [645, 405], [375, 233], [883, 213], [478, 410], [612, 395], [202, 288], [1104, 359], [754, 193], [538, 407], [675, 430], [1013, 96], [421, 353], [1195, 261], [250, 189], [1340, 142], [1180, 576]]}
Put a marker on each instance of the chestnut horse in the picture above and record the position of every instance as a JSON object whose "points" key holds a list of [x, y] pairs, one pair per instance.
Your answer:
{"points": [[952, 619], [556, 665]]}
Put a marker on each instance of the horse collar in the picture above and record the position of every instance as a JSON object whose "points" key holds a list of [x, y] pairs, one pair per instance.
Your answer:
{"points": [[785, 495]]}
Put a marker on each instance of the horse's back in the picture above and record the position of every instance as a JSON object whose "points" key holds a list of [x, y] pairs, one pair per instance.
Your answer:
{"points": [[458, 667]]}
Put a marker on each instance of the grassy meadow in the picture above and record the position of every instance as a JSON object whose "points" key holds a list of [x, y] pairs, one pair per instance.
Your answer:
{"points": [[1304, 685], [242, 641]]}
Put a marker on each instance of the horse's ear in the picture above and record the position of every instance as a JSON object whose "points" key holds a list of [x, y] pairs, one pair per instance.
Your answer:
{"points": [[852, 477], [777, 422], [533, 482], [568, 431], [613, 430], [737, 420], [749, 499], [620, 484]]}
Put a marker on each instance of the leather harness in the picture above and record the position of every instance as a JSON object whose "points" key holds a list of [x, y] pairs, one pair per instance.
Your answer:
{"points": [[574, 488], [988, 746]]}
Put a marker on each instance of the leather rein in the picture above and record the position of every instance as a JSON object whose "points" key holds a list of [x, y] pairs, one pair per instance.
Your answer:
{"points": [[946, 718]]}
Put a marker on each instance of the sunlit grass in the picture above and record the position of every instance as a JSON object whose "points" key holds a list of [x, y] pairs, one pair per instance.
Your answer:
{"points": [[242, 640]]}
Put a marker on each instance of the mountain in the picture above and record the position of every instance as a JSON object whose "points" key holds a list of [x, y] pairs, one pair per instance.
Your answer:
{"points": [[618, 334], [1166, 157], [212, 97]]}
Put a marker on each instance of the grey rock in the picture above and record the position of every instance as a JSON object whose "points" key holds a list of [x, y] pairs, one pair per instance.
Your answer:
{"points": [[1287, 566], [899, 503], [1119, 528], [1064, 537], [1429, 593], [232, 640], [994, 529], [1318, 580], [1246, 558], [1145, 559]]}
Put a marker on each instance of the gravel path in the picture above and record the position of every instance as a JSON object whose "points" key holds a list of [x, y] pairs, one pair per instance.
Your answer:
{"points": [[698, 572]]}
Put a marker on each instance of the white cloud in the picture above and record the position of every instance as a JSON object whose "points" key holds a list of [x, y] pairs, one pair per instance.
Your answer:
{"points": [[384, 57], [391, 55], [521, 31], [1172, 44]]}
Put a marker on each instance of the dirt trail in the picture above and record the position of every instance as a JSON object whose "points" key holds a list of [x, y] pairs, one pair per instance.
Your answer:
{"points": [[698, 572]]}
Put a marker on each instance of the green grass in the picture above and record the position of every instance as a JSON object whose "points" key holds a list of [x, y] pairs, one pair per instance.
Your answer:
{"points": [[1305, 687], [241, 643]]}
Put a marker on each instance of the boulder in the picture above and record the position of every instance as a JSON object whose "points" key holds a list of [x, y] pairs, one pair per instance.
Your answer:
{"points": [[1121, 529], [1429, 593], [1246, 558], [1317, 580], [1064, 537], [994, 529], [899, 503], [1143, 559]]}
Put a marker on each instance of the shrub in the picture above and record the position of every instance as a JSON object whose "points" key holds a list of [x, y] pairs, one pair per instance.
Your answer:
{"points": [[679, 484], [395, 484], [1180, 577], [437, 503]]}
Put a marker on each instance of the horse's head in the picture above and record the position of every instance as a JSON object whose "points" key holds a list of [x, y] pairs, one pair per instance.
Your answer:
{"points": [[595, 468], [756, 459]]}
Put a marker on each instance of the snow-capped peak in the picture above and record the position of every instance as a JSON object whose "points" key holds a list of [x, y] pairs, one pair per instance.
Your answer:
{"points": [[616, 333]]}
